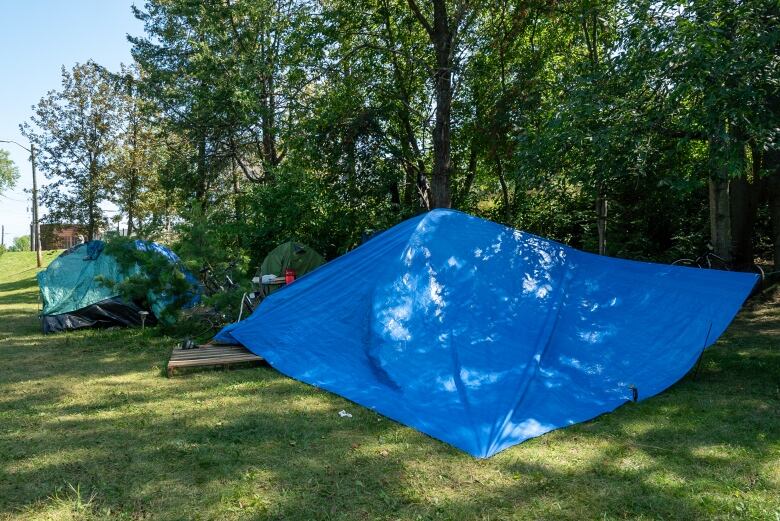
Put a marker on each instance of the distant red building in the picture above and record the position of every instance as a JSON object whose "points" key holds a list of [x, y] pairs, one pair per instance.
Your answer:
{"points": [[61, 236]]}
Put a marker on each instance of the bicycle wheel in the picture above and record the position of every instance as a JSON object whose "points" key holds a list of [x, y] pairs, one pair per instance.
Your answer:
{"points": [[690, 263], [758, 270]]}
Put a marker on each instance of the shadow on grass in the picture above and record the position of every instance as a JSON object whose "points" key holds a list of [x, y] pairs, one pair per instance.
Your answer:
{"points": [[19, 291]]}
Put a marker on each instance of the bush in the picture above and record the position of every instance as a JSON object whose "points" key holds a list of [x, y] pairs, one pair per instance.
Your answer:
{"points": [[147, 273], [21, 244]]}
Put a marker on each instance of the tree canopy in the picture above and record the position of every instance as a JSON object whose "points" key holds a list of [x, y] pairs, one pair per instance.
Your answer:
{"points": [[637, 128]]}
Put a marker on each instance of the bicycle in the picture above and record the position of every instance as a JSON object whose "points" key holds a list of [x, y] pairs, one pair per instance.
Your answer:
{"points": [[710, 260], [214, 284]]}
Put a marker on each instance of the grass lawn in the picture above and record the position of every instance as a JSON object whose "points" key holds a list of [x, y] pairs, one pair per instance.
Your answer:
{"points": [[90, 428]]}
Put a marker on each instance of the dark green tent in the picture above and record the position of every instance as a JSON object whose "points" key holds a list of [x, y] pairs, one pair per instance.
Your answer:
{"points": [[290, 255]]}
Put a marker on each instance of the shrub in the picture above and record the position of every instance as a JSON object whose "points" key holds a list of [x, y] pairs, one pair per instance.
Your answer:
{"points": [[147, 272]]}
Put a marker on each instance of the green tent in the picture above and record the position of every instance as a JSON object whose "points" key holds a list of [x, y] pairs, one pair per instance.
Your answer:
{"points": [[290, 255], [73, 298]]}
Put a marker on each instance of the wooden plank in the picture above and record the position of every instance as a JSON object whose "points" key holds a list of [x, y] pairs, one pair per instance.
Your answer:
{"points": [[200, 353], [224, 357], [189, 356], [206, 352], [214, 347], [210, 355], [194, 363]]}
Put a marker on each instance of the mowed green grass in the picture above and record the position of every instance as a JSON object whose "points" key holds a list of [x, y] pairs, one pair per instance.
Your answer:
{"points": [[90, 428]]}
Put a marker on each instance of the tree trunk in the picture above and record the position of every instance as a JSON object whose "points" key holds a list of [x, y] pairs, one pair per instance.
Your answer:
{"points": [[442, 161], [237, 211], [269, 122], [601, 221], [772, 162], [92, 199], [727, 157], [416, 166], [130, 222], [132, 199], [441, 35], [134, 177], [720, 217], [774, 209], [395, 195], [507, 210], [91, 222], [743, 214]]}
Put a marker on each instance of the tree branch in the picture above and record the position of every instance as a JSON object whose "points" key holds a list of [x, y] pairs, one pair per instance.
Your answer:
{"points": [[420, 18]]}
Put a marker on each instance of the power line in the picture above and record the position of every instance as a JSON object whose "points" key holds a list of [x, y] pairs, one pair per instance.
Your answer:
{"points": [[12, 199]]}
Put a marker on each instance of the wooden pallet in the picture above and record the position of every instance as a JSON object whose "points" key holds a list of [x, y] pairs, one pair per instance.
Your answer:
{"points": [[210, 355]]}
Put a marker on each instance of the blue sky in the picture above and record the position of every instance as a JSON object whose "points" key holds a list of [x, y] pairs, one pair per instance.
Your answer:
{"points": [[38, 37]]}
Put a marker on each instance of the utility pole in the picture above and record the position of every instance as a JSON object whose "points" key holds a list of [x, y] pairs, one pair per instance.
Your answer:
{"points": [[36, 223], [35, 231]]}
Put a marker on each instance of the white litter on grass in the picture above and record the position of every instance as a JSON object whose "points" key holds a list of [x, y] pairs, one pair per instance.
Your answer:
{"points": [[344, 414]]}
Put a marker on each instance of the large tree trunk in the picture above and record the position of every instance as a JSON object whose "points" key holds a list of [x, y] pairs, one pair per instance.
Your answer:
{"points": [[441, 35], [720, 217], [725, 150], [442, 162], [741, 223], [742, 199]]}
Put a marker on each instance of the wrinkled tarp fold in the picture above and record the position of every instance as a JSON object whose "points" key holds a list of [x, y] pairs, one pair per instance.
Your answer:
{"points": [[484, 336], [106, 313]]}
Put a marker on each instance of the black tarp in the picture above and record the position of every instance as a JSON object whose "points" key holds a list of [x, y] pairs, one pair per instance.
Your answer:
{"points": [[106, 313]]}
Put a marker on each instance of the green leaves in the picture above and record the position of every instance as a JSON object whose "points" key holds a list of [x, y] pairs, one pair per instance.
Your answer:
{"points": [[75, 131], [9, 173], [150, 279], [244, 124]]}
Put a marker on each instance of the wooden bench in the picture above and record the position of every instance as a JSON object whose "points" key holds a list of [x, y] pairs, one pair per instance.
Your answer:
{"points": [[211, 355]]}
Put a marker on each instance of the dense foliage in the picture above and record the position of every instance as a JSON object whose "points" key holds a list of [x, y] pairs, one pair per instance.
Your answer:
{"points": [[148, 273], [637, 128], [21, 243]]}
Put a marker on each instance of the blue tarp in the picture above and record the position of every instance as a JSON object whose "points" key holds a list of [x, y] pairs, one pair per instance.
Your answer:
{"points": [[484, 336]]}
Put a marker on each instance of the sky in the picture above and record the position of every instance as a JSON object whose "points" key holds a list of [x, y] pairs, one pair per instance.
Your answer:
{"points": [[38, 37]]}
